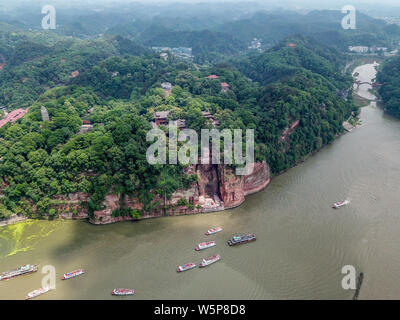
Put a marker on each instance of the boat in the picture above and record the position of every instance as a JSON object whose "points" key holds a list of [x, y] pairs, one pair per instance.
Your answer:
{"points": [[242, 239], [186, 267], [26, 269], [207, 261], [36, 293], [339, 204], [205, 245], [213, 231], [72, 274], [123, 292]]}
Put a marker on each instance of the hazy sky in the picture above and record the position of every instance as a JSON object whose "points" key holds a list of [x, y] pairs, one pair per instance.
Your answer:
{"points": [[273, 2], [289, 2], [377, 5]]}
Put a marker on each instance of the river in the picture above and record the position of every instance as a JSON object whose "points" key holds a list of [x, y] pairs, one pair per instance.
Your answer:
{"points": [[302, 243]]}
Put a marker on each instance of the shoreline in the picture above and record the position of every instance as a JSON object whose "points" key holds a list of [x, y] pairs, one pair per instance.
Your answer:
{"points": [[362, 102], [12, 220]]}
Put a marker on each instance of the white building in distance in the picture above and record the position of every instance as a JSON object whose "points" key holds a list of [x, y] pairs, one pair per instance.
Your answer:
{"points": [[358, 49]]}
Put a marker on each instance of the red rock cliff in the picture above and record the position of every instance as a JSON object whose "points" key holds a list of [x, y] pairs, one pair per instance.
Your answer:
{"points": [[234, 188], [218, 188]]}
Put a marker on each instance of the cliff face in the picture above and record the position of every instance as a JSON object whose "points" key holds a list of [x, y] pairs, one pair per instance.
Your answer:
{"points": [[218, 188], [72, 206], [234, 188]]}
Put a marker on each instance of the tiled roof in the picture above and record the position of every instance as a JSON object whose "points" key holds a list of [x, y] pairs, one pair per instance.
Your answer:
{"points": [[13, 116], [161, 114]]}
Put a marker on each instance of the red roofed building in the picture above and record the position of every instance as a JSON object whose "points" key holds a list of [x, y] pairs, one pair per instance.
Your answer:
{"points": [[291, 45], [13, 116], [2, 65], [224, 86], [74, 74], [86, 122], [161, 117], [213, 76]]}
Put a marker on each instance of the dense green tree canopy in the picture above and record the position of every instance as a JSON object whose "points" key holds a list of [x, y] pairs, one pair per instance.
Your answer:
{"points": [[389, 77], [289, 95]]}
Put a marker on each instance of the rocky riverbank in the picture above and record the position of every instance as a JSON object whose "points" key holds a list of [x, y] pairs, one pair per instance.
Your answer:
{"points": [[11, 220], [218, 188]]}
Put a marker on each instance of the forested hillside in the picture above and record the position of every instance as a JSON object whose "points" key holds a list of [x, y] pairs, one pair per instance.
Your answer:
{"points": [[214, 31], [292, 95], [233, 37], [323, 25], [300, 80], [389, 77], [37, 61]]}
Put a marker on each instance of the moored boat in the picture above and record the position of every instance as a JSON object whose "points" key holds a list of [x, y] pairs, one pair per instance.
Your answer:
{"points": [[26, 269], [242, 239], [186, 267], [339, 204], [213, 231], [207, 261], [205, 245], [122, 292], [36, 293], [72, 274]]}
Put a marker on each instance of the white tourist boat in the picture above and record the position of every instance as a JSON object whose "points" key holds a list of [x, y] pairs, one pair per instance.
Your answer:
{"points": [[36, 293], [26, 269], [205, 245], [207, 261], [340, 204], [123, 292], [186, 267], [72, 274], [213, 231]]}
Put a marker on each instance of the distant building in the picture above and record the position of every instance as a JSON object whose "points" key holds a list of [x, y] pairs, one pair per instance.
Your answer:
{"points": [[359, 49], [179, 52], [85, 128], [213, 76], [291, 45], [391, 53], [114, 74], [74, 74], [255, 44], [164, 56], [2, 64], [180, 123], [207, 115], [13, 116], [167, 87], [375, 49], [45, 114], [224, 87], [86, 122], [210, 118], [161, 117]]}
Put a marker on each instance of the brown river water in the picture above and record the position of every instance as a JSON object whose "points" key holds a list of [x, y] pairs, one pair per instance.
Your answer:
{"points": [[302, 243]]}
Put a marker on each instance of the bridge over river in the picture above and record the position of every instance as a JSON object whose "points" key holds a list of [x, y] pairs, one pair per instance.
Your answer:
{"points": [[372, 84]]}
